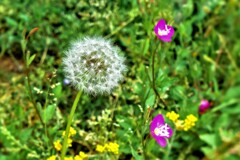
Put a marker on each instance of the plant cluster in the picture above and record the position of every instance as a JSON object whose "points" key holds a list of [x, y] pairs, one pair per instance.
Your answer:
{"points": [[145, 79]]}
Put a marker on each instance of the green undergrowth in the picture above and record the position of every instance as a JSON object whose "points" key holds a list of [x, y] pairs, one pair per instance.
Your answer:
{"points": [[201, 62]]}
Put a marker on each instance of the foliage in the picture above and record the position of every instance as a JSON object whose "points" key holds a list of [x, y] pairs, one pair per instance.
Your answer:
{"points": [[202, 62]]}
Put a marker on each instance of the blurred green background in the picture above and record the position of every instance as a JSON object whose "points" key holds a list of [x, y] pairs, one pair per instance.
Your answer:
{"points": [[201, 62]]}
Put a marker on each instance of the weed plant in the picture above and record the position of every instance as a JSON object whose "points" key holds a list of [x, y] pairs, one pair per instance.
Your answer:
{"points": [[192, 81]]}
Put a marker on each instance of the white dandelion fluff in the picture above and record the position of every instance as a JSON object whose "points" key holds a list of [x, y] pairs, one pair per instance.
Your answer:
{"points": [[93, 65]]}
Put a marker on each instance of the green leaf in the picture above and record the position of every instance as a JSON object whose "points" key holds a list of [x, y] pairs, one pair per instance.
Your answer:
{"points": [[146, 46], [210, 139], [11, 22], [150, 100], [58, 91], [225, 104], [232, 93], [48, 112], [39, 107], [25, 134], [207, 150], [135, 154], [178, 92], [30, 59]]}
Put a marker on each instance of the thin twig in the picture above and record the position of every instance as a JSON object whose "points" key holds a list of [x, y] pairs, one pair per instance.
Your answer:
{"points": [[153, 76]]}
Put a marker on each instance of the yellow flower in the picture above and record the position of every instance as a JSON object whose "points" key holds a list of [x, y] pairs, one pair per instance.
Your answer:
{"points": [[179, 124], [112, 147], [57, 145], [172, 116], [52, 158], [69, 142], [189, 122], [83, 155], [68, 158], [100, 148], [192, 118], [72, 132], [77, 157]]}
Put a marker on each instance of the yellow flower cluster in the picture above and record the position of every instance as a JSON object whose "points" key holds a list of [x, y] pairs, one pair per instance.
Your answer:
{"points": [[52, 158], [108, 147], [72, 132], [172, 116], [68, 158], [189, 122], [58, 145], [186, 124], [81, 156]]}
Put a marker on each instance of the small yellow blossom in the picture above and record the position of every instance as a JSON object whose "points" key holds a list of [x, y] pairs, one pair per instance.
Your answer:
{"points": [[179, 124], [112, 147], [77, 157], [69, 142], [52, 158], [57, 145], [189, 122], [172, 116], [68, 158], [81, 156], [72, 132], [100, 148], [192, 118]]}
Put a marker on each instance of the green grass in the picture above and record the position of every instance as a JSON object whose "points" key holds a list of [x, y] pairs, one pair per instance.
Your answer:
{"points": [[201, 62]]}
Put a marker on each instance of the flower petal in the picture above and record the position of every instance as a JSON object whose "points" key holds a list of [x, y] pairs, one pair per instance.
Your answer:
{"points": [[166, 32], [170, 131], [161, 141], [161, 24], [155, 122]]}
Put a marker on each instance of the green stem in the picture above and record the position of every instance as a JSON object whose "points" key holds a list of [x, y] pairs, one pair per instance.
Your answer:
{"points": [[166, 157], [29, 88], [153, 76], [32, 99], [70, 118]]}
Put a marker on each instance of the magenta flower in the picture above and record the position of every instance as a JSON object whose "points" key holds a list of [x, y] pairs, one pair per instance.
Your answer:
{"points": [[163, 31], [160, 130], [205, 104]]}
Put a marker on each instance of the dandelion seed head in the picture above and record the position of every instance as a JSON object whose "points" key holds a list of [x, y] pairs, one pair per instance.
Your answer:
{"points": [[94, 65]]}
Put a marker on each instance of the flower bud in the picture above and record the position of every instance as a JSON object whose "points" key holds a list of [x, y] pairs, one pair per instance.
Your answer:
{"points": [[205, 104]]}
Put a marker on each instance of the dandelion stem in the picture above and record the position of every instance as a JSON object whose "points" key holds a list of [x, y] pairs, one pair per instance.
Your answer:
{"points": [[70, 118]]}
